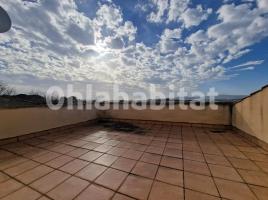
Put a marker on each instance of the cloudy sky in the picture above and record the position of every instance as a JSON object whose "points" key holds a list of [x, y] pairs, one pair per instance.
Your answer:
{"points": [[194, 44]]}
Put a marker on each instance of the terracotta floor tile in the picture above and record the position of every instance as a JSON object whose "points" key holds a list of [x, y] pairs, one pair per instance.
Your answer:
{"points": [[46, 157], [132, 154], [118, 196], [243, 164], [44, 198], [74, 166], [101, 140], [62, 148], [103, 148], [192, 148], [174, 140], [260, 192], [68, 189], [171, 162], [136, 187], [200, 183], [171, 176], [155, 150], [77, 152], [196, 167], [125, 145], [193, 156], [106, 160], [112, 142], [116, 151], [91, 156], [11, 162], [254, 177], [193, 195], [159, 138], [91, 172], [36, 153], [248, 149], [91, 145], [151, 158], [49, 181], [162, 191], [234, 190], [45, 144], [9, 186], [33, 174], [173, 153], [59, 161], [225, 172], [18, 169], [94, 192], [139, 147], [3, 177], [217, 160], [209, 148], [174, 146], [145, 169], [257, 156], [141, 156], [158, 143], [262, 165], [76, 143], [111, 178], [24, 193], [124, 164], [235, 154], [5, 155]]}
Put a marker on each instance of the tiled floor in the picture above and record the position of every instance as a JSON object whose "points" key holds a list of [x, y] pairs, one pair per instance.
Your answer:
{"points": [[167, 162]]}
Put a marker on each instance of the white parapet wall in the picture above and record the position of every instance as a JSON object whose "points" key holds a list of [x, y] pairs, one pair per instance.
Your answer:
{"points": [[221, 116], [251, 115], [21, 121]]}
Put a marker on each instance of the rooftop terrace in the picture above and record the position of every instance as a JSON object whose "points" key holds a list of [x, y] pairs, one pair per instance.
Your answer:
{"points": [[124, 154], [164, 161]]}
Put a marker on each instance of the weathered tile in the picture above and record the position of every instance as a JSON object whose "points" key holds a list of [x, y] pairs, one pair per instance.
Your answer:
{"points": [[136, 187]]}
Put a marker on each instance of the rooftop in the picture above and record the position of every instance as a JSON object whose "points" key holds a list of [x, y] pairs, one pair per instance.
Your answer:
{"points": [[163, 161]]}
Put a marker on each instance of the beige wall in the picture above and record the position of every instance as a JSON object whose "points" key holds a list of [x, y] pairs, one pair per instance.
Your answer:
{"points": [[251, 115], [15, 122], [208, 116]]}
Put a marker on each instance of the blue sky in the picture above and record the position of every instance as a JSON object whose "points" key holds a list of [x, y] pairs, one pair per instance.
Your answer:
{"points": [[133, 43]]}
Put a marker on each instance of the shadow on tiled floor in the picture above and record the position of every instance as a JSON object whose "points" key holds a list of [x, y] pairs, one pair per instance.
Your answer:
{"points": [[168, 162]]}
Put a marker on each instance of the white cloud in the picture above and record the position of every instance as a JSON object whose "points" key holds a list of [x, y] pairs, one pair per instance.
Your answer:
{"points": [[249, 63], [194, 16], [158, 15], [109, 16], [177, 11], [245, 69], [176, 8], [169, 41], [263, 4], [60, 43]]}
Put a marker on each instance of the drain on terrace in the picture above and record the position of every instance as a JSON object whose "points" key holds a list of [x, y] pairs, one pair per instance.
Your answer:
{"points": [[121, 126], [217, 131]]}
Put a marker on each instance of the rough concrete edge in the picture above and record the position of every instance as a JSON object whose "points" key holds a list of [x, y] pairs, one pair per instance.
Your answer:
{"points": [[68, 127], [251, 138]]}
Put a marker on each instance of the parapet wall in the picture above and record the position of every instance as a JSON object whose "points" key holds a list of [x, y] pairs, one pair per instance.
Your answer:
{"points": [[251, 115], [221, 116], [21, 121]]}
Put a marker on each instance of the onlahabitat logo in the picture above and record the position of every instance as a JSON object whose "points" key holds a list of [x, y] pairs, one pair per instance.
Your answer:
{"points": [[153, 99]]}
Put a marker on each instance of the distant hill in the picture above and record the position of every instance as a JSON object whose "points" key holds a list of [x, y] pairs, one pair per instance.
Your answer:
{"points": [[219, 98], [229, 97], [23, 100]]}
